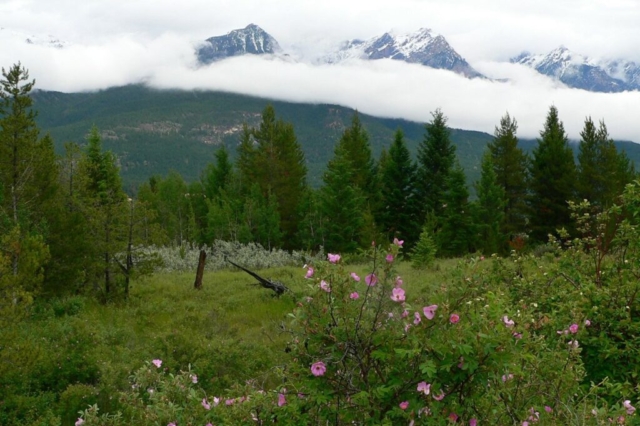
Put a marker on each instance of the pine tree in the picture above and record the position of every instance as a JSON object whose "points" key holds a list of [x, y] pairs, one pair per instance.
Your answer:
{"points": [[436, 157], [456, 236], [602, 171], [217, 176], [510, 166], [342, 204], [489, 209], [553, 179], [399, 215], [424, 252]]}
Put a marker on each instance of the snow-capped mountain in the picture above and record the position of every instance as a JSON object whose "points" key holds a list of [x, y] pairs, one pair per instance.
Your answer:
{"points": [[250, 40], [33, 39], [420, 47], [583, 72]]}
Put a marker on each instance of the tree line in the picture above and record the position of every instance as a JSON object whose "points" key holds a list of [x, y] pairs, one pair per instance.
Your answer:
{"points": [[67, 225]]}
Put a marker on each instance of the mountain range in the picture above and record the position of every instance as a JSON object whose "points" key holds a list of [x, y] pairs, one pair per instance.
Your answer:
{"points": [[582, 72]]}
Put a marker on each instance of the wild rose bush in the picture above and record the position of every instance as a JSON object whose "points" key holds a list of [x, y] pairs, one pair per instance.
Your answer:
{"points": [[366, 350]]}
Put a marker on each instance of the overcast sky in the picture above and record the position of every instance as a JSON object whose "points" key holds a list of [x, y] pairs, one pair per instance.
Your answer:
{"points": [[115, 42]]}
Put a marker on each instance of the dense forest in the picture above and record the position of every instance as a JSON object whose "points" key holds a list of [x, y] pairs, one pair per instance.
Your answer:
{"points": [[68, 229]]}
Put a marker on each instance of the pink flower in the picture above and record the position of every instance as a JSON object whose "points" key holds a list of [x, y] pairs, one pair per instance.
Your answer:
{"points": [[453, 417], [216, 401], [208, 424], [525, 423], [157, 362], [171, 424], [205, 404], [430, 311], [389, 258], [398, 242], [574, 328], [399, 282], [439, 397], [79, 422], [407, 327], [630, 408], [454, 318], [404, 405], [281, 400], [517, 335], [473, 422], [506, 377], [229, 401], [194, 378], [354, 295], [310, 272], [397, 295], [355, 277], [424, 387], [548, 409], [509, 323], [333, 258], [405, 314], [325, 286], [573, 344], [371, 280], [587, 323], [318, 369], [416, 318]]}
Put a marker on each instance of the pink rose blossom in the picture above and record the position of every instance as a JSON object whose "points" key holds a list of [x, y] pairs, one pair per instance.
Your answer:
{"points": [[407, 327], [630, 408], [216, 401], [405, 314], [416, 318], [439, 397], [453, 417], [517, 335], [473, 422], [79, 422], [354, 295], [281, 400], [548, 409], [324, 286], [404, 405], [506, 377], [399, 281], [371, 280], [171, 424], [587, 323], [398, 242], [194, 378], [157, 362], [318, 368], [454, 318], [430, 311], [509, 323], [333, 258], [389, 258], [205, 404], [310, 272], [230, 401], [424, 387], [574, 328], [397, 295], [355, 277]]}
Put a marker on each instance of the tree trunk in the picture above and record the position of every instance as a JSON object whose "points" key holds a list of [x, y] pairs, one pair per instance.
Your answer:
{"points": [[201, 261]]}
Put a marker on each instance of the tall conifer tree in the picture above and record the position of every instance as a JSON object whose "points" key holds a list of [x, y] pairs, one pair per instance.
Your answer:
{"points": [[436, 157], [489, 209], [510, 166], [553, 179], [456, 235]]}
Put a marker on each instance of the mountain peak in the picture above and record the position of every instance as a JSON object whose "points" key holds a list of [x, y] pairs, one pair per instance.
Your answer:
{"points": [[249, 40]]}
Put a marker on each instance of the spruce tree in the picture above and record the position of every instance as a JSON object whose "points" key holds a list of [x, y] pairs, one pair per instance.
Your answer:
{"points": [[399, 213], [510, 166], [342, 204], [553, 180], [489, 209], [456, 235], [436, 157], [603, 172]]}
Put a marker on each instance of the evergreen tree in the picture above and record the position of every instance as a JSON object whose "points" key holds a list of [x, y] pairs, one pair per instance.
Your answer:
{"points": [[456, 236], [510, 167], [436, 157], [489, 209], [354, 142], [398, 217], [553, 179], [272, 157], [310, 229], [217, 176], [603, 172], [424, 252], [342, 204]]}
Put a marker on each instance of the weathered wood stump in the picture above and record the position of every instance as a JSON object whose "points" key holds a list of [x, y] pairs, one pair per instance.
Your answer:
{"points": [[201, 261]]}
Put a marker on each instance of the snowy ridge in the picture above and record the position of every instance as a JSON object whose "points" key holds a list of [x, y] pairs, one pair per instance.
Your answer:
{"points": [[421, 47], [33, 39], [582, 72], [249, 40]]}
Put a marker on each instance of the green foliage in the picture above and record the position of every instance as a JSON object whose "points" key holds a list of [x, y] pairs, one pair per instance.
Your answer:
{"points": [[510, 167], [436, 158], [489, 209], [602, 171], [399, 215], [456, 235], [424, 253], [553, 180]]}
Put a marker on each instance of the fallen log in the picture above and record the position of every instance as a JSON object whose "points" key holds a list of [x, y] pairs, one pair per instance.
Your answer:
{"points": [[276, 286]]}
